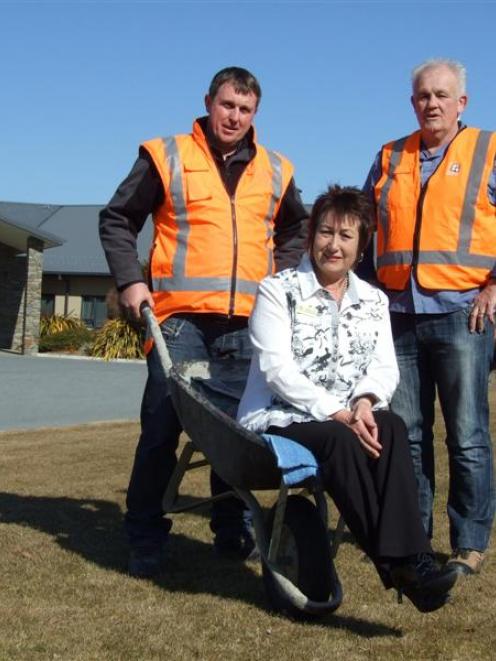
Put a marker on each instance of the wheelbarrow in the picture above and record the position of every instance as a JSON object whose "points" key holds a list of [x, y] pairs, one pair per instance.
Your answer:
{"points": [[296, 548]]}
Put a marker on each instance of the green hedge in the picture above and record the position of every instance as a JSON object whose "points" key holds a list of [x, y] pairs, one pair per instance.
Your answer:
{"points": [[70, 339]]}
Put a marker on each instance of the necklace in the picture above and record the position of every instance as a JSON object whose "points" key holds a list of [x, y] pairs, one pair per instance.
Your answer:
{"points": [[339, 290]]}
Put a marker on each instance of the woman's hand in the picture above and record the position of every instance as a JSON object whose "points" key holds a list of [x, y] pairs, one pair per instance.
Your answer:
{"points": [[363, 424], [361, 420]]}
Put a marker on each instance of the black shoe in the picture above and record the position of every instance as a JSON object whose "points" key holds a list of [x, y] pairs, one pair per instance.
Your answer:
{"points": [[422, 580], [146, 561], [236, 546]]}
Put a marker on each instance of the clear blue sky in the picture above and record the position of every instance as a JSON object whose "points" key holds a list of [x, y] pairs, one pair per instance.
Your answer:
{"points": [[83, 83]]}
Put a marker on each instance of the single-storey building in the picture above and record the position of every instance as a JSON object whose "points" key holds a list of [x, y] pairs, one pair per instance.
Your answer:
{"points": [[51, 262]]}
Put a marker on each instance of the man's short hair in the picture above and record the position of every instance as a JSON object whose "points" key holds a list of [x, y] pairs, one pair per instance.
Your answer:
{"points": [[455, 67], [241, 79]]}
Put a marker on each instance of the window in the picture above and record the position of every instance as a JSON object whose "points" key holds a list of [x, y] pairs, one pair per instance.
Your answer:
{"points": [[94, 311], [47, 305]]}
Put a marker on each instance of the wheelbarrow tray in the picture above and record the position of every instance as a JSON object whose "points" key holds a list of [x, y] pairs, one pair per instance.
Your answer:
{"points": [[240, 457], [245, 462]]}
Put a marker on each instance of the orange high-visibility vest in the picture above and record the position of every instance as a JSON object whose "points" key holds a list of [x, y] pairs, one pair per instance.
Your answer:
{"points": [[446, 229], [209, 250]]}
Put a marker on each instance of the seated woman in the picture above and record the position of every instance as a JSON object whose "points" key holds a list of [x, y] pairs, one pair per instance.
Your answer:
{"points": [[323, 373]]}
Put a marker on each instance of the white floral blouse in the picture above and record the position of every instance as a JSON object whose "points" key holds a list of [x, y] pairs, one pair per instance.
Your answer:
{"points": [[312, 358]]}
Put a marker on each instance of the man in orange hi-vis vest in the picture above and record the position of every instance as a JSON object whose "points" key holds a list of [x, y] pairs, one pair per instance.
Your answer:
{"points": [[226, 213], [435, 195]]}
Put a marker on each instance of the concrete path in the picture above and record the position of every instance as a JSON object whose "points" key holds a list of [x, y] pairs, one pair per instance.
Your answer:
{"points": [[47, 391]]}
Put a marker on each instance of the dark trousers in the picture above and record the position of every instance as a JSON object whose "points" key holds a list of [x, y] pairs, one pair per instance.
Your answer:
{"points": [[224, 346], [377, 497]]}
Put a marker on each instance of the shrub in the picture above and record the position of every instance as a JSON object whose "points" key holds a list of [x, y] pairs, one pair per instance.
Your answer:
{"points": [[117, 338], [68, 339], [57, 323]]}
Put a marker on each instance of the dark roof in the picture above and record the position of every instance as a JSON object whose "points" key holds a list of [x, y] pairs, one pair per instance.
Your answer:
{"points": [[75, 245], [20, 221]]}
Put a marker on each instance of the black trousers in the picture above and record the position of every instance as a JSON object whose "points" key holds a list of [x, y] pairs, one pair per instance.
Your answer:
{"points": [[376, 497]]}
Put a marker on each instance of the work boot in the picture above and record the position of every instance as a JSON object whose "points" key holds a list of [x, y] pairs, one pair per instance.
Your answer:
{"points": [[466, 561], [421, 579]]}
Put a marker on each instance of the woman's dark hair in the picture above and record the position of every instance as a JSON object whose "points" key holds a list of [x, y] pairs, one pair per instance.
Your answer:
{"points": [[241, 79], [344, 201]]}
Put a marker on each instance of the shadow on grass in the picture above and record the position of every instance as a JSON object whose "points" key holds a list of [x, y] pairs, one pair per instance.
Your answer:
{"points": [[197, 506], [92, 528]]}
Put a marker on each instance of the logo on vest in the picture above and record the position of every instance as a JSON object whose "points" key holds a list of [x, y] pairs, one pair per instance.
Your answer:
{"points": [[454, 169]]}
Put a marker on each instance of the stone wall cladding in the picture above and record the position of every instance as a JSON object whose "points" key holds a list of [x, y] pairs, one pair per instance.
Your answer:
{"points": [[32, 299], [20, 297]]}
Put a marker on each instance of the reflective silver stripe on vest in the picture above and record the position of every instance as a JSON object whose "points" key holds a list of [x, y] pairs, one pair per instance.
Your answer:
{"points": [[472, 193], [203, 284], [397, 150], [179, 202], [395, 258], [276, 164], [179, 281], [441, 257]]}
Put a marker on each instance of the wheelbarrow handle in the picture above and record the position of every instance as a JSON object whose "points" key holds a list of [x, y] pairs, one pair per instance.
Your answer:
{"points": [[158, 338]]}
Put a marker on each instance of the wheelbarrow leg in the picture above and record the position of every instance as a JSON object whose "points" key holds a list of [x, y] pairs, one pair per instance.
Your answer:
{"points": [[275, 537], [170, 494], [170, 504]]}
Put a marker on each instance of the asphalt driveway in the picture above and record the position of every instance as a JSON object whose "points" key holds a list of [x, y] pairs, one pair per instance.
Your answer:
{"points": [[47, 391]]}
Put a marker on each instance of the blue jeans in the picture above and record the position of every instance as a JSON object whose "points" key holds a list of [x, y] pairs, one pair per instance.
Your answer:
{"points": [[222, 343], [438, 351]]}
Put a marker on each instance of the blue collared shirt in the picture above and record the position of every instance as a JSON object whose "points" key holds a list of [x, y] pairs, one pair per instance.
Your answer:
{"points": [[416, 299]]}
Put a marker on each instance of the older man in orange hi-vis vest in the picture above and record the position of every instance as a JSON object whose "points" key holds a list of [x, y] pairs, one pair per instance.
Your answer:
{"points": [[226, 213], [435, 195]]}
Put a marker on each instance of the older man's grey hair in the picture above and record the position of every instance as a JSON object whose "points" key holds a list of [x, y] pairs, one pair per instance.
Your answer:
{"points": [[456, 67]]}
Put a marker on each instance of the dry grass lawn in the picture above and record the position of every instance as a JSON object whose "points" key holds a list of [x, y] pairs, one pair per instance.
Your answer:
{"points": [[64, 592]]}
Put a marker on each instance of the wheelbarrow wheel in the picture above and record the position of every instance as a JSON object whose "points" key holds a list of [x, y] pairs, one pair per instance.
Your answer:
{"points": [[303, 557]]}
